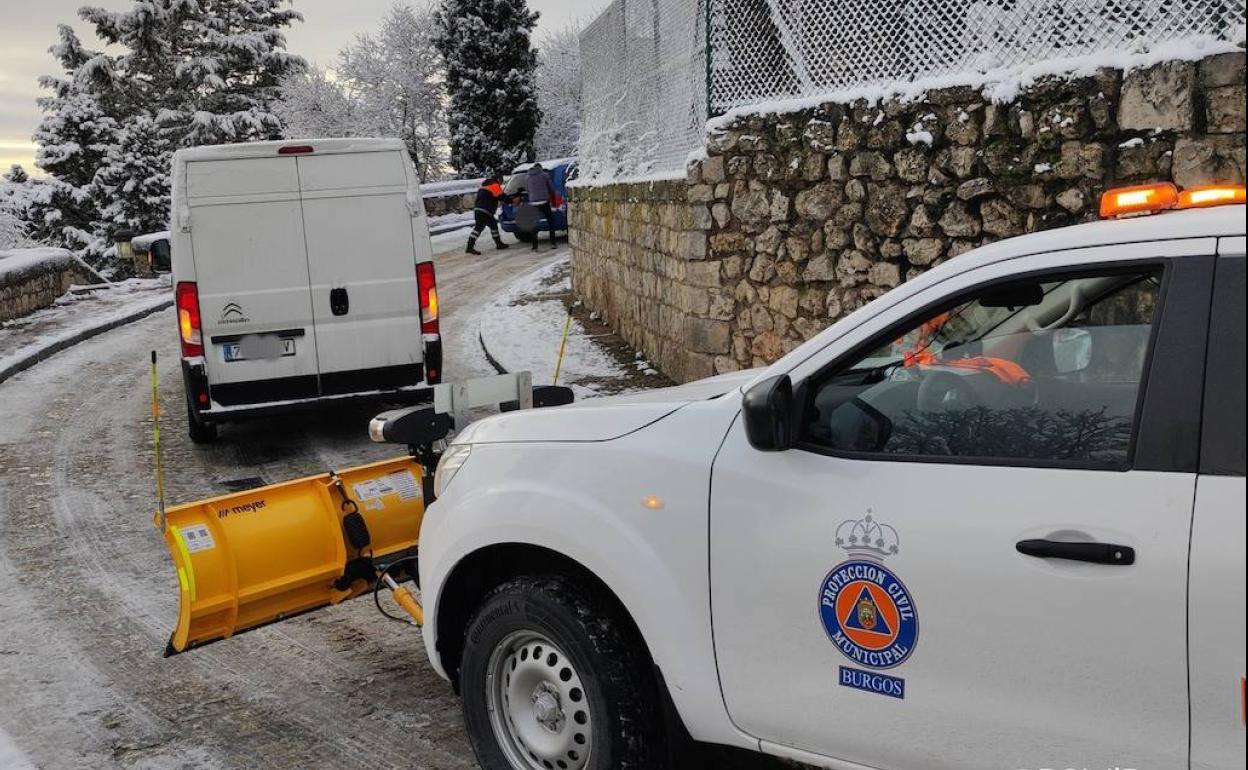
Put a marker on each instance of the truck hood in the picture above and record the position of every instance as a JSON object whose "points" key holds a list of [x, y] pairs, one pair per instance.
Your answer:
{"points": [[598, 419]]}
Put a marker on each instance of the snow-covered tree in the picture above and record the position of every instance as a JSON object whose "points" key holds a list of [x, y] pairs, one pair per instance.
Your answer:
{"points": [[176, 73], [397, 77], [73, 138], [488, 52], [15, 187], [559, 93], [313, 104], [134, 181], [386, 84], [207, 70]]}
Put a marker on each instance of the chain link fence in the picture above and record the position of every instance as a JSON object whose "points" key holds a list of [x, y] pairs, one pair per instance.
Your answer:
{"points": [[643, 70], [652, 70], [768, 49]]}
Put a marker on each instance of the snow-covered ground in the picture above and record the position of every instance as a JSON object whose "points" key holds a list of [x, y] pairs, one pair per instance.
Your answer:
{"points": [[523, 327], [79, 313], [450, 222]]}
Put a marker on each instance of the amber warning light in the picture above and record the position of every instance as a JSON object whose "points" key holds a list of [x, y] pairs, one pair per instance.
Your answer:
{"points": [[1153, 198]]}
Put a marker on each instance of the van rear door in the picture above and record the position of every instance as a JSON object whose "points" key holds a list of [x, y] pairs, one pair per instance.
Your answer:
{"points": [[247, 239], [361, 257]]}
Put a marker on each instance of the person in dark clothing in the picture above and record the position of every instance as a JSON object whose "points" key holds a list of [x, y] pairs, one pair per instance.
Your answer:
{"points": [[541, 195], [483, 209]]}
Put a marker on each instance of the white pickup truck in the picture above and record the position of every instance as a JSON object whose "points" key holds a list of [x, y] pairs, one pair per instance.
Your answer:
{"points": [[994, 519]]}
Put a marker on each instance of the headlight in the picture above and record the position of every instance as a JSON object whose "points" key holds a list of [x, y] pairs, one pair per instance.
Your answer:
{"points": [[452, 460]]}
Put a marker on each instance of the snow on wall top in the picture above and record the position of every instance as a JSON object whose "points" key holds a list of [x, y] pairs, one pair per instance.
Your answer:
{"points": [[1001, 85], [450, 187], [20, 264]]}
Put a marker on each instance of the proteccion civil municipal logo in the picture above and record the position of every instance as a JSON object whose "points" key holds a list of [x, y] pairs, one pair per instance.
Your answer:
{"points": [[866, 610]]}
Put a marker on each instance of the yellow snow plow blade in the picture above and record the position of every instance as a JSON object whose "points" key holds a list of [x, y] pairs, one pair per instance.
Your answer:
{"points": [[256, 557]]}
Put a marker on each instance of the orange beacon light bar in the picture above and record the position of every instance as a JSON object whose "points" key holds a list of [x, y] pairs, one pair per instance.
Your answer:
{"points": [[1140, 199], [1211, 195], [1163, 196]]}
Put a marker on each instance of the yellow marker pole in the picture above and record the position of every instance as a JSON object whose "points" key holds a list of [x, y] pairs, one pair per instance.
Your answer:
{"points": [[160, 471], [567, 324]]}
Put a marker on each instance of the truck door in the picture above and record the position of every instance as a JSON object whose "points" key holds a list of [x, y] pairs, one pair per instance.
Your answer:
{"points": [[1216, 605], [361, 250], [976, 555], [252, 275]]}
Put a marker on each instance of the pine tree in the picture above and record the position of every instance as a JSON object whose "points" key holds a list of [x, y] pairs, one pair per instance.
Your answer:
{"points": [[238, 61], [177, 73], [15, 188], [134, 181], [490, 63], [209, 71], [16, 175], [73, 139]]}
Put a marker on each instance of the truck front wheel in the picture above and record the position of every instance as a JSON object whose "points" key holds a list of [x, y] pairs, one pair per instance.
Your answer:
{"points": [[552, 678]]}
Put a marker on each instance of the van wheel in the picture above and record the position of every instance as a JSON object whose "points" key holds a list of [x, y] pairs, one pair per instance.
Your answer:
{"points": [[201, 432], [525, 236], [552, 678]]}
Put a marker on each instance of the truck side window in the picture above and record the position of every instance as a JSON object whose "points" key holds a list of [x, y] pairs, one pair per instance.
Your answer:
{"points": [[1045, 370]]}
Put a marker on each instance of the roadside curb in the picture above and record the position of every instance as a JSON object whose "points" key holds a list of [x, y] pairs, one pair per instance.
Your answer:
{"points": [[488, 356], [68, 341]]}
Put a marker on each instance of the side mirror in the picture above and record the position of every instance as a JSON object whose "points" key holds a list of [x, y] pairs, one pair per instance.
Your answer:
{"points": [[767, 410]]}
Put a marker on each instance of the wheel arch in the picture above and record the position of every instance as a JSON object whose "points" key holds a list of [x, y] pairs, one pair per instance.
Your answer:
{"points": [[483, 570]]}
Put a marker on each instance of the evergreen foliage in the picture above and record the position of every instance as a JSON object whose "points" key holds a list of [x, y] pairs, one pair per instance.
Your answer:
{"points": [[490, 77], [176, 73]]}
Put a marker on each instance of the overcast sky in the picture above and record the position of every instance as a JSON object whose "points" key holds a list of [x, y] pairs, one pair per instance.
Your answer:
{"points": [[30, 27]]}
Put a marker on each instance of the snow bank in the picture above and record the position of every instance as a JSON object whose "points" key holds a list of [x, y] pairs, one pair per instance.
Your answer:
{"points": [[1000, 84], [18, 264], [522, 328]]}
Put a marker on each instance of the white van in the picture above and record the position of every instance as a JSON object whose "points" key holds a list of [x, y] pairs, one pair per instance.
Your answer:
{"points": [[303, 275]]}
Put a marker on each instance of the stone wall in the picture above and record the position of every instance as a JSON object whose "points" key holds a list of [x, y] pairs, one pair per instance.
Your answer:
{"points": [[795, 219], [441, 205], [38, 284], [639, 259]]}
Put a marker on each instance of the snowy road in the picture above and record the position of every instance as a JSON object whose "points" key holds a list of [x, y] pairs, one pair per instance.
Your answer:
{"points": [[89, 597]]}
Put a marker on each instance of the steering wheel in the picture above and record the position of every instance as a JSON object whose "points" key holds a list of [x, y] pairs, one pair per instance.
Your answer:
{"points": [[944, 391], [1076, 305]]}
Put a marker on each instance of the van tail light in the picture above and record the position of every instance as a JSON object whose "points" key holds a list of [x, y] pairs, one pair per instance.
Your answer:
{"points": [[427, 283], [1211, 195], [189, 327], [294, 149]]}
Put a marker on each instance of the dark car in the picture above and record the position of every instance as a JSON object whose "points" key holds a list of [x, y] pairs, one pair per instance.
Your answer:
{"points": [[561, 172]]}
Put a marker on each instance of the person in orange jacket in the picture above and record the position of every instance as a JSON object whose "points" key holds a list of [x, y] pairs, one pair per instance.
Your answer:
{"points": [[483, 212]]}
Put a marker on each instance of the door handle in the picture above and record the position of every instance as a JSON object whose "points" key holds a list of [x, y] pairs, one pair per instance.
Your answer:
{"points": [[339, 302], [1096, 553]]}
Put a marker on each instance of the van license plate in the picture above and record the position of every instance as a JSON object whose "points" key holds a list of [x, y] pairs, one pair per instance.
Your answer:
{"points": [[259, 347]]}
